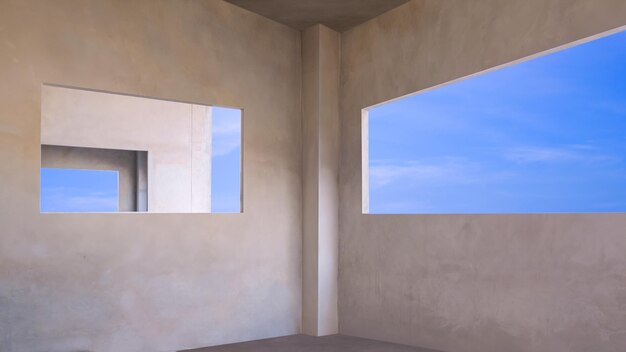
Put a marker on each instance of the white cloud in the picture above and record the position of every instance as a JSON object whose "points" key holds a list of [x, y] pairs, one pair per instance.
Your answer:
{"points": [[226, 126], [65, 199], [539, 154], [226, 135], [225, 145], [382, 173], [98, 201], [578, 152], [610, 106]]}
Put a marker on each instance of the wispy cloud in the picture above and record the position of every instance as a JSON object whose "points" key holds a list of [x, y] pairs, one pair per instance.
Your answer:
{"points": [[382, 173], [540, 154], [609, 106], [577, 152], [226, 126], [68, 199], [226, 134], [415, 206]]}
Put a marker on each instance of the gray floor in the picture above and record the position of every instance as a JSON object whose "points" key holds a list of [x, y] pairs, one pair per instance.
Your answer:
{"points": [[304, 343]]}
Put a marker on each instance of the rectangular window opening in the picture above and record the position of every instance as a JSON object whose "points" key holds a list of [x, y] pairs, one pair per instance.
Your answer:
{"points": [[226, 160], [542, 136]]}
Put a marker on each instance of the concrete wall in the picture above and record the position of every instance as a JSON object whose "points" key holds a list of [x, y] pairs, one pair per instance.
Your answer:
{"points": [[487, 283], [176, 136], [150, 282]]}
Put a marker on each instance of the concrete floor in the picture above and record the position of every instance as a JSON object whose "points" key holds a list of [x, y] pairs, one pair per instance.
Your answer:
{"points": [[304, 343]]}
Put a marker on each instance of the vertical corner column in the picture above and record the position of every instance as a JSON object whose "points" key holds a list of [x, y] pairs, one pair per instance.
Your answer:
{"points": [[320, 227]]}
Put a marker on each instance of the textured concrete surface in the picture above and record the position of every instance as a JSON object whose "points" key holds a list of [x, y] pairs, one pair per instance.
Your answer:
{"points": [[303, 343], [339, 15], [150, 282], [472, 283], [320, 136]]}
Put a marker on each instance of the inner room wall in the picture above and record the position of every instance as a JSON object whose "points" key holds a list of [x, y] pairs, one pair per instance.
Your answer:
{"points": [[150, 282], [488, 283], [175, 135]]}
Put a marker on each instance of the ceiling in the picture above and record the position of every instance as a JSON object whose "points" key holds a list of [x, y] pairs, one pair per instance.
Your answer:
{"points": [[339, 15]]}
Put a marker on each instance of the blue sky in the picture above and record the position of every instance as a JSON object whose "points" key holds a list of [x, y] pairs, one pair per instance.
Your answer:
{"points": [[544, 135], [74, 190], [71, 190], [226, 156]]}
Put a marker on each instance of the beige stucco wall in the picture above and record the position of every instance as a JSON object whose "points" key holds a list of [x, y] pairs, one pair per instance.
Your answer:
{"points": [[150, 282], [483, 283]]}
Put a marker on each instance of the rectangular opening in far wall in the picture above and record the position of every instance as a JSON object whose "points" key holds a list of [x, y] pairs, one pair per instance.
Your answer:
{"points": [[544, 135]]}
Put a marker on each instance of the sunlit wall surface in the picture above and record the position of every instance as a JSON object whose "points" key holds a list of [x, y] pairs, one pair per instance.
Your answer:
{"points": [[74, 190], [544, 135], [226, 161]]}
